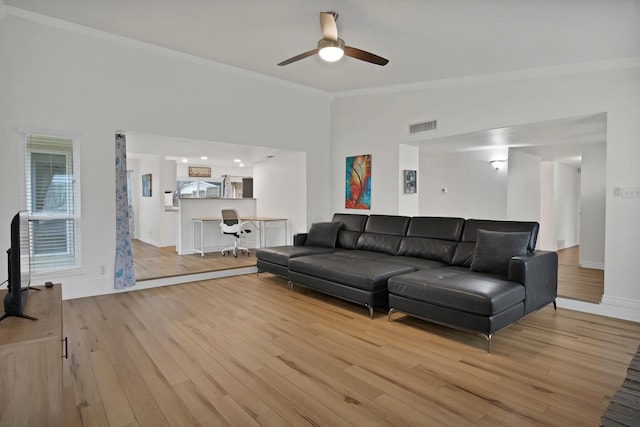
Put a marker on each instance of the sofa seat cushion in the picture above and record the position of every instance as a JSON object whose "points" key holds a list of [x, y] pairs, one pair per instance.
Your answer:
{"points": [[459, 289], [366, 274], [417, 263], [363, 254], [281, 254]]}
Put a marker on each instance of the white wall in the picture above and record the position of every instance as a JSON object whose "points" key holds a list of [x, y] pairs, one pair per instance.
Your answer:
{"points": [[546, 235], [182, 171], [474, 189], [54, 78], [622, 226], [376, 123], [278, 186], [409, 159], [566, 206], [523, 188], [148, 215], [593, 206]]}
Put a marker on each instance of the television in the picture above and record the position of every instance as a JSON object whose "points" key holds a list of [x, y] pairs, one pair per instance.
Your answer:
{"points": [[19, 268]]}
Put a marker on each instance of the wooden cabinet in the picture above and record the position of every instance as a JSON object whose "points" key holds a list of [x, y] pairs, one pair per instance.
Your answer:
{"points": [[31, 362]]}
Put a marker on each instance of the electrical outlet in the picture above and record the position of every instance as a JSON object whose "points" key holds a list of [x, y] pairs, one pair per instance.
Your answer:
{"points": [[103, 270], [631, 193]]}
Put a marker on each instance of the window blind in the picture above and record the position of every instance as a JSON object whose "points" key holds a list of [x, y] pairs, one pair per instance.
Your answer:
{"points": [[51, 201]]}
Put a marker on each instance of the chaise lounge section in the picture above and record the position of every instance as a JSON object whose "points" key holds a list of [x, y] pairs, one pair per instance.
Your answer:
{"points": [[475, 275]]}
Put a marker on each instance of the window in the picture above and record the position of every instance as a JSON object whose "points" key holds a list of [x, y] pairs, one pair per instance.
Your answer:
{"points": [[52, 199]]}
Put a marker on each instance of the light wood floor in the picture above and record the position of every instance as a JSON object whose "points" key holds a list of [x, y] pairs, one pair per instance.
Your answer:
{"points": [[152, 262], [575, 282], [245, 351]]}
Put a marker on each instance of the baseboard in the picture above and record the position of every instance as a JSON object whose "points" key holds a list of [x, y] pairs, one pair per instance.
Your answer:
{"points": [[104, 285], [176, 280], [617, 308], [592, 264]]}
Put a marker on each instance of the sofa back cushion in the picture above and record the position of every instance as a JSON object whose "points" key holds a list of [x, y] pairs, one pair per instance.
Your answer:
{"points": [[423, 247], [387, 224], [351, 222], [383, 233], [463, 255], [352, 227], [376, 242], [432, 238], [433, 227]]}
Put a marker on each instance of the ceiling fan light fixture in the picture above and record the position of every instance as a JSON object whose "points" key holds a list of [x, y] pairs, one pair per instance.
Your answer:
{"points": [[331, 50]]}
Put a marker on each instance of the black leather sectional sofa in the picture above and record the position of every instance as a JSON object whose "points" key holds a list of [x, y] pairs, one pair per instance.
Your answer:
{"points": [[477, 275]]}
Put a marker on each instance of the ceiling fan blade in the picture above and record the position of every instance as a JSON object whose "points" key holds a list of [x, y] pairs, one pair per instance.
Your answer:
{"points": [[328, 25], [299, 57], [363, 55]]}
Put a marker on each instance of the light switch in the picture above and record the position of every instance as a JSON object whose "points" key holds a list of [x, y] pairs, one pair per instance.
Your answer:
{"points": [[631, 192]]}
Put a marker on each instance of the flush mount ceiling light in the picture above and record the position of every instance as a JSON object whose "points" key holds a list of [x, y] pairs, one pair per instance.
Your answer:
{"points": [[331, 50], [498, 164]]}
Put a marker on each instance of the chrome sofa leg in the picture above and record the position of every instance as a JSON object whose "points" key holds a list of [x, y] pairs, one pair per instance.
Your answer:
{"points": [[391, 310], [290, 285], [370, 311], [488, 337]]}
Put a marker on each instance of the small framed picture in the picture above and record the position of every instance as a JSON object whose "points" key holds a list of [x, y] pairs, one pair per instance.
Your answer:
{"points": [[199, 171], [410, 180], [147, 184]]}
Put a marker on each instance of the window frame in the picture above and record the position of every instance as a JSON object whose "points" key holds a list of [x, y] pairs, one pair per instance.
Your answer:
{"points": [[75, 216]]}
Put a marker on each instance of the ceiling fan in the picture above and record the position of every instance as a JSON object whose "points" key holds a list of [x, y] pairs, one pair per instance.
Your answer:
{"points": [[331, 48]]}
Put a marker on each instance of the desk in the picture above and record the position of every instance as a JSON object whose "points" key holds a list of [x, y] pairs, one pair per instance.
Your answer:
{"points": [[258, 222]]}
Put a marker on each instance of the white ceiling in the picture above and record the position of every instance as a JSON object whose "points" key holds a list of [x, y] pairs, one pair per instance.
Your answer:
{"points": [[423, 40]]}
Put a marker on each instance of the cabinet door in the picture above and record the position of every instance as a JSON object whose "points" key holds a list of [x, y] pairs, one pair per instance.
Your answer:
{"points": [[31, 383]]}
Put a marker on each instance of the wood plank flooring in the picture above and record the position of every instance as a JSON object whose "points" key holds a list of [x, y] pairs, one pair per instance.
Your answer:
{"points": [[575, 282], [152, 262], [246, 351]]}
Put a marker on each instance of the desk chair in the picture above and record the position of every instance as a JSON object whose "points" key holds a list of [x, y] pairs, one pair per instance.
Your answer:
{"points": [[231, 225]]}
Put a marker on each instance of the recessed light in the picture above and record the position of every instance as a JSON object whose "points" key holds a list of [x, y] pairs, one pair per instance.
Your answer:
{"points": [[184, 160], [241, 165], [237, 160], [203, 157]]}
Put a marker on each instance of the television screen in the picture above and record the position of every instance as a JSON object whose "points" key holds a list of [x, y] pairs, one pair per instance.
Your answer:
{"points": [[19, 267]]}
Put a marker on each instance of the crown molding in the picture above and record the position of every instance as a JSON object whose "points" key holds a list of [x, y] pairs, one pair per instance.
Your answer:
{"points": [[149, 47], [531, 73]]}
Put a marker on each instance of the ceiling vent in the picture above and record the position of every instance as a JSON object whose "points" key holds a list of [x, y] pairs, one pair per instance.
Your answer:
{"points": [[423, 127]]}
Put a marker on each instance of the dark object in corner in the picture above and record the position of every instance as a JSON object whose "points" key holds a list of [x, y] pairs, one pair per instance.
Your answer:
{"points": [[623, 409], [48, 284]]}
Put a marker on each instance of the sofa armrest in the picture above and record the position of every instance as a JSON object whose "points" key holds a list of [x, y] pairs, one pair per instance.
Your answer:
{"points": [[538, 272], [299, 239]]}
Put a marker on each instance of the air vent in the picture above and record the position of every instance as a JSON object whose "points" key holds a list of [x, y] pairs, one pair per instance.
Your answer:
{"points": [[423, 127]]}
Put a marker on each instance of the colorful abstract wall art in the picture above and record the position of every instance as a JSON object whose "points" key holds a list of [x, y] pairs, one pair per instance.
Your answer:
{"points": [[358, 182]]}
